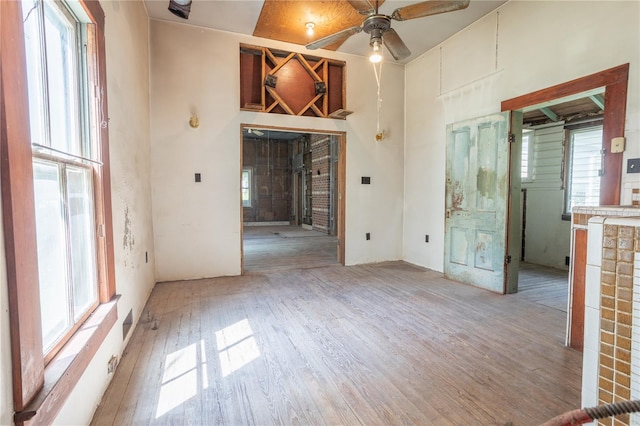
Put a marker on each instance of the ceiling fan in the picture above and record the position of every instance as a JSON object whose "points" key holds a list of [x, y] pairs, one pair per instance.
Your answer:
{"points": [[378, 25]]}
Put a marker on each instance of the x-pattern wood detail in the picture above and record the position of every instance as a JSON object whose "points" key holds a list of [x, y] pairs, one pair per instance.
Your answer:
{"points": [[303, 72]]}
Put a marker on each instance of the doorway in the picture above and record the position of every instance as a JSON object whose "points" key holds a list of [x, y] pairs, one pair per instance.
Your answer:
{"points": [[560, 167], [608, 90], [292, 183]]}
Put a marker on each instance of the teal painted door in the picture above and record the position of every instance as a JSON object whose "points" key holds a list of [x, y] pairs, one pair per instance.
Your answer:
{"points": [[477, 196]]}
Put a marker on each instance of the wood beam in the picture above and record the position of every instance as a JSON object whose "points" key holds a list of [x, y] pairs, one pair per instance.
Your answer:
{"points": [[598, 100], [547, 111]]}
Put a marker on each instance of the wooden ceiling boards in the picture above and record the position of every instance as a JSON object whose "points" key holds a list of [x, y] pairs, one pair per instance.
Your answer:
{"points": [[286, 20]]}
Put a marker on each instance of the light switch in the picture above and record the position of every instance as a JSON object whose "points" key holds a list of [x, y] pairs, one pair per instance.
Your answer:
{"points": [[617, 145]]}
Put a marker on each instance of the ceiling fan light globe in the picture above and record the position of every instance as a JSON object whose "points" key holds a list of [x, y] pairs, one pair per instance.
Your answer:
{"points": [[375, 57], [376, 53]]}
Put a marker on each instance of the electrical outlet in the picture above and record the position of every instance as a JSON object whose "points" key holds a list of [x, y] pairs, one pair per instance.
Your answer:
{"points": [[368, 236]]}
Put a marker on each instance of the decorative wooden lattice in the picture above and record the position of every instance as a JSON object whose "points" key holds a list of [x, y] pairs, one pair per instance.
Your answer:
{"points": [[280, 82]]}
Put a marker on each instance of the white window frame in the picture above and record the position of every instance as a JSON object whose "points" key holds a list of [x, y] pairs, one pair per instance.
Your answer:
{"points": [[73, 70], [39, 390]]}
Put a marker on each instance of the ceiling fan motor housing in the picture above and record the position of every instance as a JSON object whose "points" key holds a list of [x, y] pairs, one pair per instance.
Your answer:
{"points": [[376, 25]]}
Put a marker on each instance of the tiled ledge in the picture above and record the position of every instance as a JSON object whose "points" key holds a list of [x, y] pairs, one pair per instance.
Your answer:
{"points": [[581, 215]]}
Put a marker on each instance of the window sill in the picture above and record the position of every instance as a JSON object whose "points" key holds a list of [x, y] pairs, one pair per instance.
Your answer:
{"points": [[64, 371]]}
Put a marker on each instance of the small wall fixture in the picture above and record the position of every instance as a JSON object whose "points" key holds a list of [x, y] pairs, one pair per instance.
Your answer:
{"points": [[271, 81], [194, 122], [180, 8]]}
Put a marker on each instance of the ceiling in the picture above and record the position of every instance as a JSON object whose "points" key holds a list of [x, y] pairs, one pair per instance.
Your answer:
{"points": [[285, 20], [586, 105]]}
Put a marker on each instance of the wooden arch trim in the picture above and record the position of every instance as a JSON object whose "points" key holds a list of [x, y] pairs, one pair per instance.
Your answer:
{"points": [[614, 80]]}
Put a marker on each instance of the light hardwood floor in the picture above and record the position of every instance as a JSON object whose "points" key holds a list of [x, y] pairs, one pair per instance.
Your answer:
{"points": [[270, 248], [377, 344]]}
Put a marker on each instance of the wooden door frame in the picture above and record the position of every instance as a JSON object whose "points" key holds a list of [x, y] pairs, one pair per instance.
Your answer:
{"points": [[340, 187], [614, 81]]}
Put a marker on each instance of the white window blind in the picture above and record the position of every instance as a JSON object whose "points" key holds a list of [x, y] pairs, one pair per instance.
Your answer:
{"points": [[527, 157], [585, 165]]}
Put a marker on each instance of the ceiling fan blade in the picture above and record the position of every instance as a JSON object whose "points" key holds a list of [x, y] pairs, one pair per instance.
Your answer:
{"points": [[428, 8], [395, 45], [362, 6], [333, 38]]}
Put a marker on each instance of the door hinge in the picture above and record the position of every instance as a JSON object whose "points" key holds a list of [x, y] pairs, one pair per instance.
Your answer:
{"points": [[512, 137], [507, 259]]}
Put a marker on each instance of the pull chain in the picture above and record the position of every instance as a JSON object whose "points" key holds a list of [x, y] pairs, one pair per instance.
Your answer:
{"points": [[377, 69]]}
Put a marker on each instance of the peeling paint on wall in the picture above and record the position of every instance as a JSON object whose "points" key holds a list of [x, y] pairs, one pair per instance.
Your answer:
{"points": [[128, 240]]}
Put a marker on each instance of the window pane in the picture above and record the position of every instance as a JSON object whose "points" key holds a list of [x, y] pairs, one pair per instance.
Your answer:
{"points": [[81, 232], [52, 252], [35, 74], [62, 79], [246, 188], [245, 179], [586, 161]]}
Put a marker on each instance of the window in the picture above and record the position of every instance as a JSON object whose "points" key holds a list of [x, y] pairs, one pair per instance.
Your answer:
{"points": [[246, 187], [526, 171], [62, 168], [56, 198], [584, 161]]}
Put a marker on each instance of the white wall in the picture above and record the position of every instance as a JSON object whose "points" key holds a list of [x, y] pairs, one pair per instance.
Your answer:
{"points": [[522, 47], [547, 236], [197, 225], [127, 44]]}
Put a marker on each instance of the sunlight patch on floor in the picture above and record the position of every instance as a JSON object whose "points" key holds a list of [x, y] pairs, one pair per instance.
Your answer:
{"points": [[185, 371], [237, 347]]}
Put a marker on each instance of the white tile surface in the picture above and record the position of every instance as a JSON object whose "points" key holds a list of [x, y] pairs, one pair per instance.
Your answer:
{"points": [[592, 287], [594, 242], [591, 329], [589, 378]]}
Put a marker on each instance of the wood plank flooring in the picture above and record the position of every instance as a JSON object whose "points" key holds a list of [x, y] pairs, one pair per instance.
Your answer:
{"points": [[271, 248], [545, 285], [376, 344]]}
